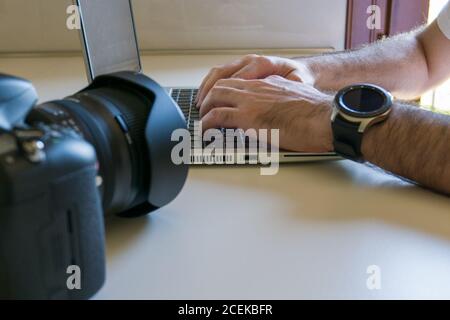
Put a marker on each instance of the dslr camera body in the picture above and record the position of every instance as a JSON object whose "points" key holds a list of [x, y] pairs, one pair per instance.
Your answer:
{"points": [[65, 164]]}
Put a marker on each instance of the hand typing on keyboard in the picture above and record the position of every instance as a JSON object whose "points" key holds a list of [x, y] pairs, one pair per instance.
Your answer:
{"points": [[253, 66], [299, 111]]}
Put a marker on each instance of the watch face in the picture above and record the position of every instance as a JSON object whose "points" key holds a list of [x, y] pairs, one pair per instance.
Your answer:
{"points": [[364, 100]]}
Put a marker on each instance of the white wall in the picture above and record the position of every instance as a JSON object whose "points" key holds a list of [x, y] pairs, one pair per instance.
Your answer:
{"points": [[39, 25]]}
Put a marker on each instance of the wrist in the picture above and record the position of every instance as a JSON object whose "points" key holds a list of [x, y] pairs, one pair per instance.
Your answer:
{"points": [[326, 130], [378, 132], [358, 108]]}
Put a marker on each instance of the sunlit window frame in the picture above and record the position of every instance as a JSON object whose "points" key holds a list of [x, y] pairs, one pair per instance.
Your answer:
{"points": [[438, 99]]}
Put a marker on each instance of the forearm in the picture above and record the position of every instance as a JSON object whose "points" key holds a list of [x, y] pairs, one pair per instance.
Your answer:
{"points": [[397, 64], [414, 144]]}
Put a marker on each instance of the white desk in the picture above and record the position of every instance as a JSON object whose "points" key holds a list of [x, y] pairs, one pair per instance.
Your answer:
{"points": [[309, 232]]}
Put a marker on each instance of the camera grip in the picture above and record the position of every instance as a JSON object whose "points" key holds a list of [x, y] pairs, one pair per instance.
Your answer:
{"points": [[52, 234]]}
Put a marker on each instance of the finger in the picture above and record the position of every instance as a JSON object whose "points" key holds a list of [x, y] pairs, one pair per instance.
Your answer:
{"points": [[221, 118], [233, 83], [294, 76], [205, 80], [248, 72], [254, 86], [216, 74], [276, 80], [220, 97], [252, 71], [275, 77]]}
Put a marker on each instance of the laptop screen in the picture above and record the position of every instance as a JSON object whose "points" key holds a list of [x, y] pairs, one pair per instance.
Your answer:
{"points": [[109, 38]]}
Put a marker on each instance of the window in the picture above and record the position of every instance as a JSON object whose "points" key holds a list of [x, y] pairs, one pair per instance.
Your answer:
{"points": [[397, 16], [438, 99]]}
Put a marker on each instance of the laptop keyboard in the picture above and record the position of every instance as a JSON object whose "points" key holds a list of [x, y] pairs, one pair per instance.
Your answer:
{"points": [[186, 100]]}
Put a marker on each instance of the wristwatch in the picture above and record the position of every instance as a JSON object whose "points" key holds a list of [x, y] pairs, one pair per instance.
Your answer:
{"points": [[355, 109]]}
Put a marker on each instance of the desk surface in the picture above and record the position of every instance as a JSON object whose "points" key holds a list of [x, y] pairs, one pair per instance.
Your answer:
{"points": [[309, 232]]}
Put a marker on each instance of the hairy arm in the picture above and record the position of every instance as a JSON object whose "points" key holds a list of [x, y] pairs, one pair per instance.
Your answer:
{"points": [[412, 143], [407, 65]]}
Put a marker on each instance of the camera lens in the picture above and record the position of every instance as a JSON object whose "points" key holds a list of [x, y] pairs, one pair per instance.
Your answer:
{"points": [[113, 119]]}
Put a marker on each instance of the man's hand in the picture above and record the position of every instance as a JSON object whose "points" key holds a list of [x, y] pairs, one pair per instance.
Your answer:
{"points": [[255, 67], [300, 112]]}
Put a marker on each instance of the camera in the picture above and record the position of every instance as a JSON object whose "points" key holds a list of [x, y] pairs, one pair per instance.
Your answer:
{"points": [[64, 164]]}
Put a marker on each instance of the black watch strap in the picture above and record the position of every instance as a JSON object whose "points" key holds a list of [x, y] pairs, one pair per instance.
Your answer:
{"points": [[347, 140]]}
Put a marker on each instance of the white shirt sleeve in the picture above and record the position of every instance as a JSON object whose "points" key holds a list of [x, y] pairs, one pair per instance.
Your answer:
{"points": [[443, 20]]}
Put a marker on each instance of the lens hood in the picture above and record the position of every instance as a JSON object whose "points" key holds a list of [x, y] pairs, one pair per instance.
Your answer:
{"points": [[164, 117]]}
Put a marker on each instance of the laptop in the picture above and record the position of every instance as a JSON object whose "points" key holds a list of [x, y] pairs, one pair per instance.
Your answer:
{"points": [[109, 42]]}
